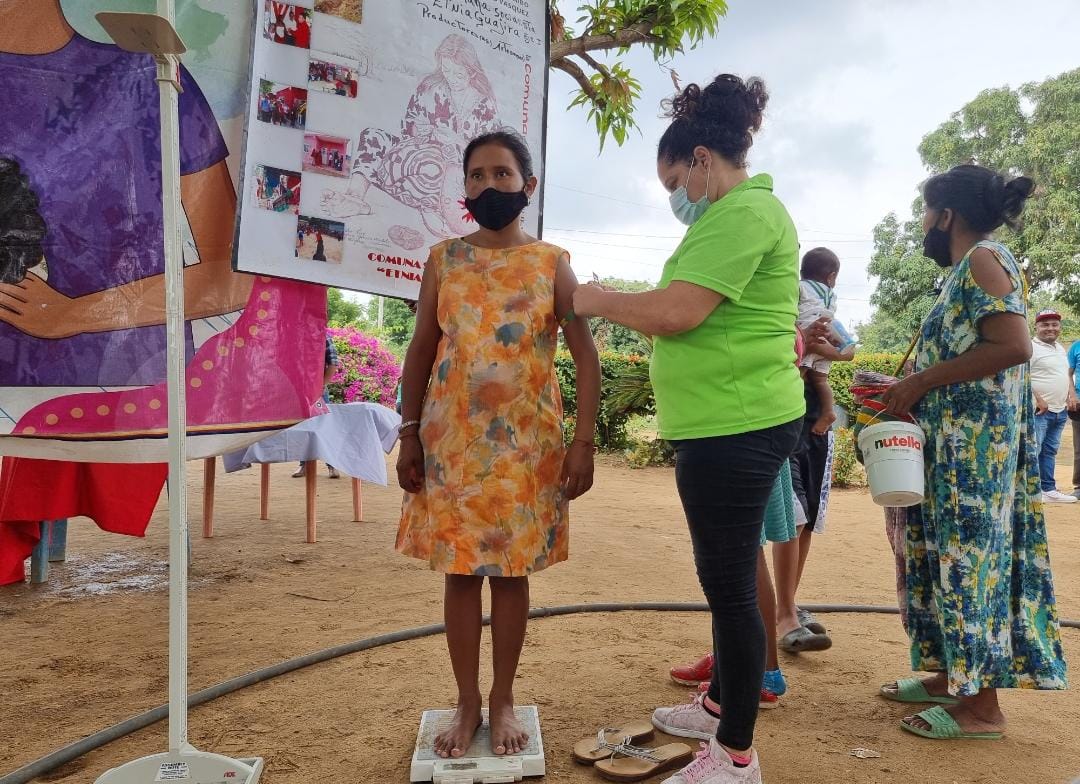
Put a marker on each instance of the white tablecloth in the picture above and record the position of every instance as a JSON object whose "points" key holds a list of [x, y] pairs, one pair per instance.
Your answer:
{"points": [[352, 437]]}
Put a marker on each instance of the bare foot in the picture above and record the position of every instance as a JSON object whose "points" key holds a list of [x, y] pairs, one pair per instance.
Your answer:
{"points": [[970, 718], [508, 736], [937, 685], [455, 740]]}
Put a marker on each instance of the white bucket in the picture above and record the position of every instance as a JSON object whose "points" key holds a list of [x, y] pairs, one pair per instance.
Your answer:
{"points": [[893, 457]]}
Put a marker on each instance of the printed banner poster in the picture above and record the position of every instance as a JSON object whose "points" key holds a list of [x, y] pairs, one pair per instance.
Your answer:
{"points": [[82, 336], [357, 119]]}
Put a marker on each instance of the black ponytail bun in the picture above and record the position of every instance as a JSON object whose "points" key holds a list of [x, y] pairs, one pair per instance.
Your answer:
{"points": [[1016, 193], [723, 116], [21, 226], [982, 196]]}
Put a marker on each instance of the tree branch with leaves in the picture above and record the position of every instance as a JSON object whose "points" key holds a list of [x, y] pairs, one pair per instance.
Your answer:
{"points": [[1032, 130], [609, 91]]}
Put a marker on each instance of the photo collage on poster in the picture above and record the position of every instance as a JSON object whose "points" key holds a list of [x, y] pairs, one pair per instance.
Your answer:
{"points": [[357, 121], [286, 106]]}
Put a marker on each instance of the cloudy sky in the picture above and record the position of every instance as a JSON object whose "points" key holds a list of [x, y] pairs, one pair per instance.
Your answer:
{"points": [[854, 85]]}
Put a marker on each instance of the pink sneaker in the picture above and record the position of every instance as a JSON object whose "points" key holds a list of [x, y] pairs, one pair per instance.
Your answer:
{"points": [[713, 765], [689, 720]]}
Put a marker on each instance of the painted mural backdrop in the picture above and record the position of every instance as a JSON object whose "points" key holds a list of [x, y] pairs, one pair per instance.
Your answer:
{"points": [[357, 118], [82, 341]]}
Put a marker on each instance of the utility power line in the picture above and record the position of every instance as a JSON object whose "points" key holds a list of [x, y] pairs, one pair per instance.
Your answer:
{"points": [[620, 245], [668, 236]]}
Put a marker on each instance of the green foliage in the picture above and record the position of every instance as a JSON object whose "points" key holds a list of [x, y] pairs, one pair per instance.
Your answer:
{"points": [[610, 336], [341, 312], [610, 424], [646, 454], [883, 334], [630, 392], [614, 113], [842, 373], [667, 24], [398, 321], [907, 281], [1033, 130], [846, 471], [610, 90]]}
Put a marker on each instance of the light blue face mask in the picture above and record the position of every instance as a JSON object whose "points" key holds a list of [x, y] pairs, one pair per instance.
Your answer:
{"points": [[685, 210]]}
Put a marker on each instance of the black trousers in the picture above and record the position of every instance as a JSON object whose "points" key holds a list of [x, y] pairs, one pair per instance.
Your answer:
{"points": [[724, 484], [808, 465]]}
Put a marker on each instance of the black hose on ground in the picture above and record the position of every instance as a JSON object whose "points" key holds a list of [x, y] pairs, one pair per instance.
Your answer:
{"points": [[90, 743]]}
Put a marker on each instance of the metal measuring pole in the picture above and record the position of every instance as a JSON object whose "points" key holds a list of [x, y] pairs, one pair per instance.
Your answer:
{"points": [[155, 35]]}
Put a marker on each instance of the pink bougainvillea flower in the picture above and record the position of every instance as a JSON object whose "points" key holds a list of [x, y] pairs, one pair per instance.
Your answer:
{"points": [[367, 371]]}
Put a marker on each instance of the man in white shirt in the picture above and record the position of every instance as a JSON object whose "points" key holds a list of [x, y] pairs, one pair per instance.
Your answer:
{"points": [[1051, 385]]}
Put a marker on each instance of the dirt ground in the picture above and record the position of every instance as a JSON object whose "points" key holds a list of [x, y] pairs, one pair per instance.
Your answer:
{"points": [[89, 648]]}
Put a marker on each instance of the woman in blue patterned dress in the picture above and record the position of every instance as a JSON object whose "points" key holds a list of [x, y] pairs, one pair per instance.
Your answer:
{"points": [[981, 609]]}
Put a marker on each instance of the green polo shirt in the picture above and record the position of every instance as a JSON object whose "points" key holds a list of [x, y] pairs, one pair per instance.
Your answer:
{"points": [[735, 372]]}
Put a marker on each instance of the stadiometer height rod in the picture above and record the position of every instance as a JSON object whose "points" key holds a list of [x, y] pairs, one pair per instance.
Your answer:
{"points": [[155, 34]]}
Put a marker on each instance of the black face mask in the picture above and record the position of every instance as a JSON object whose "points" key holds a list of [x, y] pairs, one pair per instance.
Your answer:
{"points": [[936, 246], [495, 209]]}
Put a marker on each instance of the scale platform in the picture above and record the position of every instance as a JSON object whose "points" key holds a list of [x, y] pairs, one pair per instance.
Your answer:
{"points": [[479, 765], [189, 766]]}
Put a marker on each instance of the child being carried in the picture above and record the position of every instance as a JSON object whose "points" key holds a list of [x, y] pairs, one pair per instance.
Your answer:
{"points": [[820, 268]]}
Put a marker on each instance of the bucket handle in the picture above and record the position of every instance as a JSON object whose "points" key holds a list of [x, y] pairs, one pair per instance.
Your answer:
{"points": [[873, 418], [877, 414], [907, 354], [899, 370]]}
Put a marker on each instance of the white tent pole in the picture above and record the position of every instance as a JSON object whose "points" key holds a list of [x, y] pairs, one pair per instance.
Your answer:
{"points": [[168, 86]]}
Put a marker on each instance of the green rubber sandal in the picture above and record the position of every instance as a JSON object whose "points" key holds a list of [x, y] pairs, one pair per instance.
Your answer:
{"points": [[944, 727], [912, 690]]}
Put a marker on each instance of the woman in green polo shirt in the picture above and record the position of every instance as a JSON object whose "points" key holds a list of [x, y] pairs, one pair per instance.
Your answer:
{"points": [[728, 394]]}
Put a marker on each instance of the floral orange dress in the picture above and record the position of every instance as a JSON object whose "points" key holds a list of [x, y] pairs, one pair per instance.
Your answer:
{"points": [[491, 425]]}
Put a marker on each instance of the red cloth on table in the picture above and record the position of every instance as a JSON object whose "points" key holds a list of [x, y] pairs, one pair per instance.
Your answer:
{"points": [[119, 497]]}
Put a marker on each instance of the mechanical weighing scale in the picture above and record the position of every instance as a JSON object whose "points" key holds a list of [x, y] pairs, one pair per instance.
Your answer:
{"points": [[479, 765]]}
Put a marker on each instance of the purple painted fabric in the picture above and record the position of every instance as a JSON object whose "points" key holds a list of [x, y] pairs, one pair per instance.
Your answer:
{"points": [[83, 124]]}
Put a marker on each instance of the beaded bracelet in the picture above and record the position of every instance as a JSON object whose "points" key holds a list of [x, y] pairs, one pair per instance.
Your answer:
{"points": [[407, 425]]}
